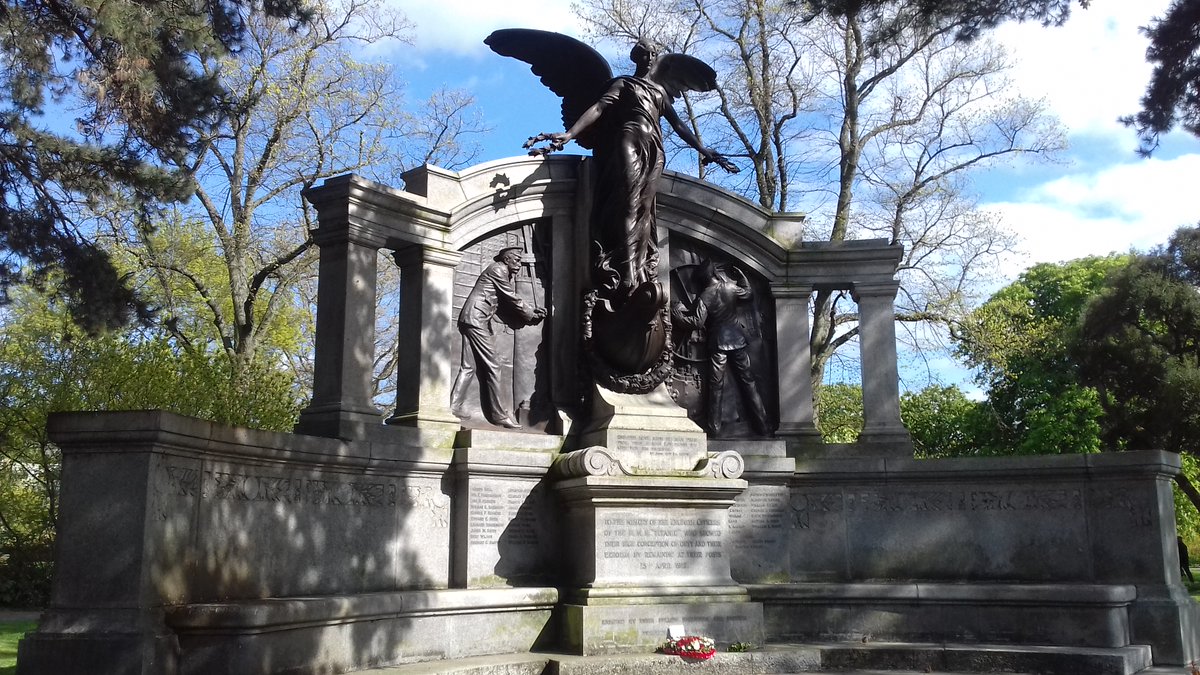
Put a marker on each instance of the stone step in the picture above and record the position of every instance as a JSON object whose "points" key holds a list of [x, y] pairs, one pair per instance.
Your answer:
{"points": [[816, 659], [975, 658]]}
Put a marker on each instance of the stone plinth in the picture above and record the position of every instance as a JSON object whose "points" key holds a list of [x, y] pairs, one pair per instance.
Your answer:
{"points": [[162, 511], [759, 520], [648, 433], [504, 529], [984, 528], [648, 552]]}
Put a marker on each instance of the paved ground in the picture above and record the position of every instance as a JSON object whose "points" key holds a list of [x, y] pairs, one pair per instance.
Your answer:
{"points": [[7, 615]]}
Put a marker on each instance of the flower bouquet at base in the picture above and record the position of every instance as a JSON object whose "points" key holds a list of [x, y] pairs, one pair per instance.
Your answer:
{"points": [[691, 647]]}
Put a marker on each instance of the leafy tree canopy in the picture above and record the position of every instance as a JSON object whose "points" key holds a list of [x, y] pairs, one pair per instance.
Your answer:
{"points": [[130, 71], [1019, 341], [1139, 346], [48, 364], [943, 422]]}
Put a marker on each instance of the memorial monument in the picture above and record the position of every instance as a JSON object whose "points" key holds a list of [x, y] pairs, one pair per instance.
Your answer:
{"points": [[603, 429]]}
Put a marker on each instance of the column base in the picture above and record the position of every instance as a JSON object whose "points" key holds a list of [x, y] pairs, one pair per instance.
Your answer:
{"points": [[438, 420], [74, 643], [1166, 617], [885, 442], [803, 440], [338, 420]]}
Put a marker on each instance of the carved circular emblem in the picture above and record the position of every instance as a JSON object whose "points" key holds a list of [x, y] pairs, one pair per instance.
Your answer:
{"points": [[610, 378]]}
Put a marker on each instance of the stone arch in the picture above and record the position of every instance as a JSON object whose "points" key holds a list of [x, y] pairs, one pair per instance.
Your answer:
{"points": [[428, 224]]}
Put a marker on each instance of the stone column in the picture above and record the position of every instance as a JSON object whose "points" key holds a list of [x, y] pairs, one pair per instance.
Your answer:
{"points": [[794, 361], [424, 365], [880, 379], [341, 405]]}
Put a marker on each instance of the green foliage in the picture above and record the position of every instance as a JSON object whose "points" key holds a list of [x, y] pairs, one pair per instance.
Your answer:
{"points": [[1139, 346], [840, 412], [1020, 343], [1187, 518], [1173, 95], [11, 632], [48, 365], [943, 422]]}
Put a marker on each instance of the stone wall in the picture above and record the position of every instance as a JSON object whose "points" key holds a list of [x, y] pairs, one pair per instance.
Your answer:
{"points": [[186, 546], [1055, 550]]}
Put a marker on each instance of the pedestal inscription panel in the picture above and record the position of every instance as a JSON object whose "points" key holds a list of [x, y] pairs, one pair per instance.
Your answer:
{"points": [[661, 547], [642, 450]]}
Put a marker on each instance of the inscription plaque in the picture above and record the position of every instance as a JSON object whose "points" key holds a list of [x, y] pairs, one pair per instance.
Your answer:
{"points": [[211, 484], [758, 534], [662, 546], [650, 450], [503, 536]]}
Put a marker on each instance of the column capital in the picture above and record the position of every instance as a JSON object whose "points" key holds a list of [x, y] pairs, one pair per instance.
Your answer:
{"points": [[341, 230], [874, 289], [790, 290], [419, 254]]}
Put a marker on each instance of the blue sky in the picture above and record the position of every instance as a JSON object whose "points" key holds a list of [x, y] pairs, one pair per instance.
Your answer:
{"points": [[1098, 198]]}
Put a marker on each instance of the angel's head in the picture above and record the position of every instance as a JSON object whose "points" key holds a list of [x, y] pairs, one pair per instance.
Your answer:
{"points": [[644, 54]]}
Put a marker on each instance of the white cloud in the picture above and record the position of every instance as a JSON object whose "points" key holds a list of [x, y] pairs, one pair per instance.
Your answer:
{"points": [[459, 26], [1091, 70], [1134, 205]]}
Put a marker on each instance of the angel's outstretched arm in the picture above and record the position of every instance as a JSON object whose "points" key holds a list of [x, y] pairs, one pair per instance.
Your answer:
{"points": [[708, 154], [587, 119], [560, 139]]}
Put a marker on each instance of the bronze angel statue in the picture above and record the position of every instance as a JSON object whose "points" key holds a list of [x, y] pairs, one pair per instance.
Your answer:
{"points": [[617, 118]]}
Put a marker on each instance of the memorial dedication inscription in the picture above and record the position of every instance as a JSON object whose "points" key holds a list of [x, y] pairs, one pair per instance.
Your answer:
{"points": [[686, 545]]}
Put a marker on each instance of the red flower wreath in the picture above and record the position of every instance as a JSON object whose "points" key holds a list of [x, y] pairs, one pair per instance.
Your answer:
{"points": [[694, 647]]}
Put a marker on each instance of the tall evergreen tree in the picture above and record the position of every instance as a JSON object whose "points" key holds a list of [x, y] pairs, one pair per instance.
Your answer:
{"points": [[130, 71]]}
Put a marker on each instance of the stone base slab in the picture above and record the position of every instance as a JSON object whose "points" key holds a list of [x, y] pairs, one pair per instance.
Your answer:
{"points": [[303, 636], [646, 432], [629, 628], [1077, 615], [111, 653], [329, 635], [777, 659]]}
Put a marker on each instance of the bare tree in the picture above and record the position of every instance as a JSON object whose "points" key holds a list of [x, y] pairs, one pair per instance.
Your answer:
{"points": [[871, 122], [305, 108]]}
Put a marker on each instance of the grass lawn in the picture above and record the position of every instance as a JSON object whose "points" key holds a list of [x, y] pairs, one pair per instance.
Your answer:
{"points": [[1192, 586], [10, 632]]}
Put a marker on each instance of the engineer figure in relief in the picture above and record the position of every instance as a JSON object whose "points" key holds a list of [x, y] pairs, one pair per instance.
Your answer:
{"points": [[716, 312], [495, 288]]}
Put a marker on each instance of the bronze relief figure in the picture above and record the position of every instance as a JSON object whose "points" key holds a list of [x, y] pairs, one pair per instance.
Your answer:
{"points": [[627, 325]]}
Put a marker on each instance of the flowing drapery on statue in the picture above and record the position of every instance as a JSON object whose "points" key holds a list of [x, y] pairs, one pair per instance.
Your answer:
{"points": [[626, 323]]}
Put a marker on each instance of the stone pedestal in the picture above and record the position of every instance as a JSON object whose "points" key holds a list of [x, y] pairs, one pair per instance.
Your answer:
{"points": [[504, 530], [647, 433], [648, 552]]}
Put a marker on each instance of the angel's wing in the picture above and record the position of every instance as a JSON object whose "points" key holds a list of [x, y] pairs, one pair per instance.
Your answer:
{"points": [[678, 73], [571, 69]]}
